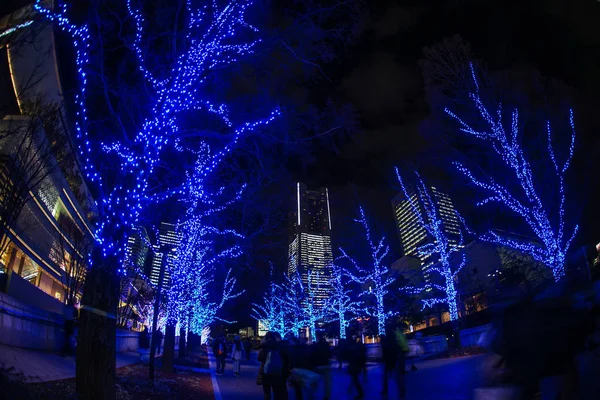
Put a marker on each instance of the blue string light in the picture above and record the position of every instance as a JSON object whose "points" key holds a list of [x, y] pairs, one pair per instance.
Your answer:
{"points": [[210, 32], [377, 273], [546, 221], [340, 302], [272, 312], [440, 248]]}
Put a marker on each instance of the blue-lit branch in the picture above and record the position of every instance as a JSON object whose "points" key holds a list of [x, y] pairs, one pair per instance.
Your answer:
{"points": [[314, 311], [272, 312], [545, 218], [340, 302], [215, 37], [293, 302], [377, 273], [439, 250]]}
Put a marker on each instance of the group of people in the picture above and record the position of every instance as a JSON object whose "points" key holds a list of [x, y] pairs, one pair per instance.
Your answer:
{"points": [[236, 349], [291, 360]]}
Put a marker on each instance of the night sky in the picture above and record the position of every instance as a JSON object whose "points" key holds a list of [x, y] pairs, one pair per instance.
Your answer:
{"points": [[380, 75]]}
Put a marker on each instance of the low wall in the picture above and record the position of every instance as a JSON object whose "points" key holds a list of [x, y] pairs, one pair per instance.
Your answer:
{"points": [[23, 325], [472, 336], [373, 351], [127, 340], [434, 344]]}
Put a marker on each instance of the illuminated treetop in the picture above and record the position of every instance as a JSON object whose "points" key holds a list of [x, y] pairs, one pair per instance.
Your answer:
{"points": [[544, 216], [216, 35]]}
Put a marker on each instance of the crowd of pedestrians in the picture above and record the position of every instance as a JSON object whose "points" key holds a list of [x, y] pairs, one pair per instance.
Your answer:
{"points": [[291, 360]]}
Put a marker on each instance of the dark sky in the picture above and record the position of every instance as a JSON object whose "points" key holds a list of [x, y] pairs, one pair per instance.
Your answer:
{"points": [[381, 76]]}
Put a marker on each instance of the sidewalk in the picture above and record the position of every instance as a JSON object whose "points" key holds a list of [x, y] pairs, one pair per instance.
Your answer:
{"points": [[441, 379], [42, 366]]}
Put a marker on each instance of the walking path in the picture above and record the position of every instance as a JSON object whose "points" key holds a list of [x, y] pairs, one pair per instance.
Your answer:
{"points": [[448, 379], [43, 366]]}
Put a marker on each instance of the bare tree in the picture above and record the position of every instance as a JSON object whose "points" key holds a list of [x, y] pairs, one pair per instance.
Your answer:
{"points": [[71, 253], [28, 146], [136, 296]]}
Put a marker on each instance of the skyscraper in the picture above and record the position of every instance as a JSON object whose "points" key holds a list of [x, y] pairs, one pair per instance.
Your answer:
{"points": [[166, 237], [137, 249], [310, 242], [413, 234]]}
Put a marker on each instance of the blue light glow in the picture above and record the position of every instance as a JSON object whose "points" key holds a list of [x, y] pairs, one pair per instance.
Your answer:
{"points": [[546, 219]]}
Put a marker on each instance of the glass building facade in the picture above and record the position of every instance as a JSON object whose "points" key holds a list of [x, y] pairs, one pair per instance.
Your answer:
{"points": [[310, 242], [413, 234]]}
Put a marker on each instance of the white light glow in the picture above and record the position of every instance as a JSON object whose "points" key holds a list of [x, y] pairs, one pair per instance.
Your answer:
{"points": [[14, 28], [328, 209], [298, 186]]}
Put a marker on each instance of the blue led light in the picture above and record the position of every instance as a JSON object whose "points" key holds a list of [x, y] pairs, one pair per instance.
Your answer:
{"points": [[440, 248], [377, 273], [546, 219]]}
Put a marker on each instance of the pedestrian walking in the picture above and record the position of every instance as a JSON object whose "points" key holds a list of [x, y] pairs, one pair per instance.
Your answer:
{"points": [[303, 379], [236, 355], [389, 356], [321, 354], [219, 350], [248, 348], [401, 344], [274, 368], [159, 336], [357, 361]]}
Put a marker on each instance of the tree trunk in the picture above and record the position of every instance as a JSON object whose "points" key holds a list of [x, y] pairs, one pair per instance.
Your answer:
{"points": [[96, 347], [182, 347], [169, 349]]}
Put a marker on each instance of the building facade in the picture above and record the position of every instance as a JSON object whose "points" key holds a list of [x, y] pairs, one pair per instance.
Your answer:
{"points": [[413, 235], [167, 237], [138, 245], [45, 206], [310, 242]]}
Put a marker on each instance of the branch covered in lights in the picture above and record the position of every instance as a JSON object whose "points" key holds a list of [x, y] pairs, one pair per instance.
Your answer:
{"points": [[440, 248], [272, 312], [545, 218], [340, 301], [376, 274], [216, 36]]}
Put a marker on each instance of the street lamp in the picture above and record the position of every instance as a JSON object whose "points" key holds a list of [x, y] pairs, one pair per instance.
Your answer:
{"points": [[165, 251]]}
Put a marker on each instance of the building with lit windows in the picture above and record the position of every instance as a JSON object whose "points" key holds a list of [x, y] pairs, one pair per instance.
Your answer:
{"points": [[47, 226], [413, 234], [310, 242], [167, 237], [138, 245]]}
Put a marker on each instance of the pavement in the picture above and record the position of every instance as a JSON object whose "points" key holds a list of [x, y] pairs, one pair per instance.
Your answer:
{"points": [[443, 379], [44, 366]]}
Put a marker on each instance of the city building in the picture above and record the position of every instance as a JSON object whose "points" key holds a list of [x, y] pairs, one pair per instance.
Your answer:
{"points": [[167, 237], [310, 242], [45, 207], [138, 245], [413, 235]]}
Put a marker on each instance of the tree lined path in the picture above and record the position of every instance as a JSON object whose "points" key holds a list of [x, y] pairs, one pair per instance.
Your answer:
{"points": [[447, 379]]}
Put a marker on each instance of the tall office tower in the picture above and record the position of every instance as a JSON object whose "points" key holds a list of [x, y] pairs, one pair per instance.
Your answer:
{"points": [[310, 242], [137, 249], [412, 233], [166, 237]]}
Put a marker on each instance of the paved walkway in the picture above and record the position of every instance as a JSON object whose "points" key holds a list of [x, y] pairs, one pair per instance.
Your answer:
{"points": [[452, 379], [43, 366]]}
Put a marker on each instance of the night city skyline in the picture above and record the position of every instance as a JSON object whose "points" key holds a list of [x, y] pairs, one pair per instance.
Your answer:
{"points": [[237, 199]]}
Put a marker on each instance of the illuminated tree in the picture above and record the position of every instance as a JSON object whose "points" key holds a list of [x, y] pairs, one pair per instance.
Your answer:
{"points": [[272, 311], [377, 274], [126, 163], [439, 249], [341, 299], [197, 256], [545, 217]]}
